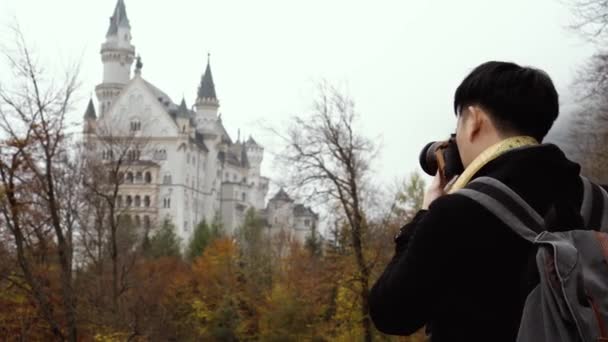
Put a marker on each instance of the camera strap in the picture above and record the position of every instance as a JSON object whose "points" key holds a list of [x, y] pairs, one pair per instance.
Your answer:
{"points": [[490, 154]]}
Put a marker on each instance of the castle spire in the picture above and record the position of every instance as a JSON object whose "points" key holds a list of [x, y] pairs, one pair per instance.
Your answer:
{"points": [[118, 19], [206, 89], [90, 112], [117, 55]]}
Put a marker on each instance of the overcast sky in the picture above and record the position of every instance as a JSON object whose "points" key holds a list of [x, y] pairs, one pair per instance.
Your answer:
{"points": [[400, 60]]}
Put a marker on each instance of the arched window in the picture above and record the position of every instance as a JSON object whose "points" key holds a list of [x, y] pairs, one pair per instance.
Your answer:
{"points": [[167, 179], [146, 201], [147, 222], [129, 201], [167, 202], [137, 221], [137, 201], [148, 178], [139, 177], [243, 197], [135, 126], [129, 177], [119, 201]]}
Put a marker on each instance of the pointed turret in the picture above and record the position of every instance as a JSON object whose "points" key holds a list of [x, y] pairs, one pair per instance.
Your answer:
{"points": [[118, 19], [117, 55], [281, 195], [90, 118], [251, 141], [90, 112], [255, 153], [206, 90], [182, 110], [207, 104]]}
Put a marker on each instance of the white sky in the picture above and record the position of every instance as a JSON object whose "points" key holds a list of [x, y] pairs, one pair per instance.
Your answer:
{"points": [[400, 60]]}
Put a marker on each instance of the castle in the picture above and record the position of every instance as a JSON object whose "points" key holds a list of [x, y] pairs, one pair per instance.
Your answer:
{"points": [[182, 165]]}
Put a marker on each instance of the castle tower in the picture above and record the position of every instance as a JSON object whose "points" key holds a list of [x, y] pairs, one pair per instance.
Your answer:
{"points": [[255, 153], [90, 119], [207, 104], [117, 54]]}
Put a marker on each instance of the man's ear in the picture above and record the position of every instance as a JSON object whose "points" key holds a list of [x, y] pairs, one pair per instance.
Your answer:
{"points": [[475, 122]]}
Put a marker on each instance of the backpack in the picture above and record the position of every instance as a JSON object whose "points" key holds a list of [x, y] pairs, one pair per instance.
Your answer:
{"points": [[570, 303]]}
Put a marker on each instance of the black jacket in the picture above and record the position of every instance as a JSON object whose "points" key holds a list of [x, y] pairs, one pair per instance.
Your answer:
{"points": [[460, 270]]}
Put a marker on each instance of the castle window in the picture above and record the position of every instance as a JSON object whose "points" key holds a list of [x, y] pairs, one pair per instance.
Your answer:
{"points": [[137, 201], [135, 126], [146, 201], [147, 222], [139, 177], [129, 201], [119, 201], [167, 202], [129, 177], [307, 222], [137, 221], [167, 179], [148, 178]]}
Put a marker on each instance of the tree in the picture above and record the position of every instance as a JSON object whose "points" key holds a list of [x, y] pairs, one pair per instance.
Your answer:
{"points": [[591, 19], [164, 243], [39, 182], [328, 159], [408, 198], [587, 133], [103, 221], [203, 235], [314, 242]]}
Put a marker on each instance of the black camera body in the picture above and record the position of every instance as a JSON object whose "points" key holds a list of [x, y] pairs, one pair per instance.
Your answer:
{"points": [[442, 156]]}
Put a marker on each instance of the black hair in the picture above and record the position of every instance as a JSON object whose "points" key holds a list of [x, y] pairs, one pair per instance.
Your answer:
{"points": [[519, 100]]}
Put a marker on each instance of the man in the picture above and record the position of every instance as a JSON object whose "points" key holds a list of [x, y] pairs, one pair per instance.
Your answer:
{"points": [[457, 269]]}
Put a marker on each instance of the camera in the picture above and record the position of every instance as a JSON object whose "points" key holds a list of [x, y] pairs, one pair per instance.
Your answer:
{"points": [[442, 156]]}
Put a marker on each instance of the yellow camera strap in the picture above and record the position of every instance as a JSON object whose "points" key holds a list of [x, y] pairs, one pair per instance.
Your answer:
{"points": [[488, 155]]}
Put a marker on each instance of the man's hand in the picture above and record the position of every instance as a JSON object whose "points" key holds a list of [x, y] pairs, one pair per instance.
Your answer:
{"points": [[438, 188]]}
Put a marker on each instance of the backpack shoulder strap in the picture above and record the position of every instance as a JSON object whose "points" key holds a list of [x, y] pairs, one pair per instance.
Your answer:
{"points": [[594, 207], [505, 204]]}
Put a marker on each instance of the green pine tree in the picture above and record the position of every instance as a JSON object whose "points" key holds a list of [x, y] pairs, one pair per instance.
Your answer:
{"points": [[164, 243], [201, 238]]}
